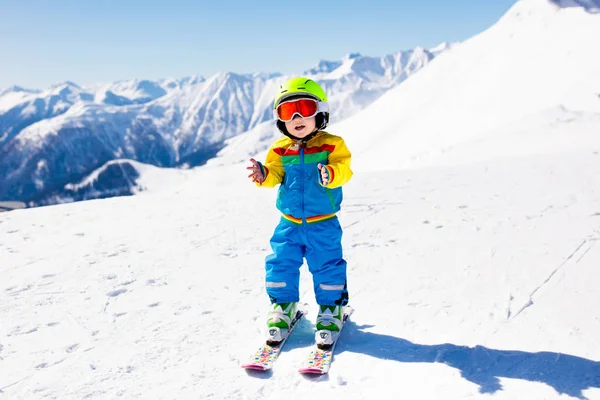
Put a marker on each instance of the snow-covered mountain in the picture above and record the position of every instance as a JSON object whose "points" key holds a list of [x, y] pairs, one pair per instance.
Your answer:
{"points": [[132, 92], [20, 108], [592, 6], [536, 68], [118, 178], [520, 87], [50, 139]]}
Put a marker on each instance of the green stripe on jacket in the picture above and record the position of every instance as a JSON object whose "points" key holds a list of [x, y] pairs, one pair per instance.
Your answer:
{"points": [[308, 158]]}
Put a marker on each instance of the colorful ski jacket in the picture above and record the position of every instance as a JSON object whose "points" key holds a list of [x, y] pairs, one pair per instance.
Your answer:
{"points": [[293, 164]]}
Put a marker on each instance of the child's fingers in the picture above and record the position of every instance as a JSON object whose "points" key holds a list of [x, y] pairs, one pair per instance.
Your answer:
{"points": [[324, 174], [256, 176]]}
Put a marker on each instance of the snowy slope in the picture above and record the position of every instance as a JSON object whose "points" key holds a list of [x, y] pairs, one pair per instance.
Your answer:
{"points": [[522, 86], [477, 281], [538, 62], [118, 178]]}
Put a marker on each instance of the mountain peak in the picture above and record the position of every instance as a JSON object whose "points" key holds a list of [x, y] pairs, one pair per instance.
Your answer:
{"points": [[351, 56], [591, 6], [223, 76], [324, 66], [65, 84], [186, 81], [15, 89], [440, 47]]}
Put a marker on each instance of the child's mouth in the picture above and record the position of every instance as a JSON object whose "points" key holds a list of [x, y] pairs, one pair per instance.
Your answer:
{"points": [[299, 127]]}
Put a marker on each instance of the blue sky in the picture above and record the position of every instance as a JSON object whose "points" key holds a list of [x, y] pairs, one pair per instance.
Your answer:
{"points": [[44, 42]]}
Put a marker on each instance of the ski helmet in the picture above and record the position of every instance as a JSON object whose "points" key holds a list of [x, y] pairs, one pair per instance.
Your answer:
{"points": [[302, 87]]}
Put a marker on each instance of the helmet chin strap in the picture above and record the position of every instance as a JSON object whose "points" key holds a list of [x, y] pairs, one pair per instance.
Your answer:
{"points": [[322, 125], [304, 139]]}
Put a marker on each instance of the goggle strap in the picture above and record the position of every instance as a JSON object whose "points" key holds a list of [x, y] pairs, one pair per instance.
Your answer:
{"points": [[323, 107]]}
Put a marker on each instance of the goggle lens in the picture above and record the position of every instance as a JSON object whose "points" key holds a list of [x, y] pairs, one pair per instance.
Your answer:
{"points": [[305, 107]]}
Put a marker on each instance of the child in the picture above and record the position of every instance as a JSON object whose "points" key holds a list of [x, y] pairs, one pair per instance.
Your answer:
{"points": [[310, 165]]}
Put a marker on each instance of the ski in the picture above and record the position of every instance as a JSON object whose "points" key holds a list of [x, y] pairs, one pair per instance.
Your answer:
{"points": [[266, 355], [319, 360]]}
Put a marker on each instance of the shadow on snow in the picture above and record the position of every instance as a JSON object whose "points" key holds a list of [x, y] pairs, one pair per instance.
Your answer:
{"points": [[483, 366]]}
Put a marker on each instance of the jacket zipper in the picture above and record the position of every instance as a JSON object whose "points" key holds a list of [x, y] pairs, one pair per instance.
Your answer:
{"points": [[301, 144]]}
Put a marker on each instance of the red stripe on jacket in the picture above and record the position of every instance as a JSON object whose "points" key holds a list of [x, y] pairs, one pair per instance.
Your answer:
{"points": [[282, 151]]}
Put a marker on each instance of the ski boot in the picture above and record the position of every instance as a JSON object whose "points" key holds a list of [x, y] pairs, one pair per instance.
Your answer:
{"points": [[329, 325], [279, 322]]}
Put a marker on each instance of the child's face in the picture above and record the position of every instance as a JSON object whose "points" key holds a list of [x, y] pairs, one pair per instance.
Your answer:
{"points": [[301, 127]]}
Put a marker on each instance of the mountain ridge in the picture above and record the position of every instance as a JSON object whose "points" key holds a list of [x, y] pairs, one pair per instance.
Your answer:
{"points": [[165, 123]]}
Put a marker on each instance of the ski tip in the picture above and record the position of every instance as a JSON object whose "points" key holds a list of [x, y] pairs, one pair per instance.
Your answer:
{"points": [[254, 367], [301, 313], [311, 371]]}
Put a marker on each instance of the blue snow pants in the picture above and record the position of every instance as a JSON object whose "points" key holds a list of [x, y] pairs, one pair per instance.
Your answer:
{"points": [[321, 244]]}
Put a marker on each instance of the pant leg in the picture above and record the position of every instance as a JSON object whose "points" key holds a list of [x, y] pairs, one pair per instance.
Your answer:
{"points": [[283, 266], [326, 262]]}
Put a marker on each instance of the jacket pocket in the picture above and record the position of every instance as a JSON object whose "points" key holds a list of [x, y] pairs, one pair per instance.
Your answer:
{"points": [[280, 195], [331, 199]]}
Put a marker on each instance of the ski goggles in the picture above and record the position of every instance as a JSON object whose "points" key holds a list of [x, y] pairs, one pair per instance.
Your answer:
{"points": [[304, 107]]}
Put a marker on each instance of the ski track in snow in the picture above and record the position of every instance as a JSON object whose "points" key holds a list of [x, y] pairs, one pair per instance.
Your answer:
{"points": [[586, 245]]}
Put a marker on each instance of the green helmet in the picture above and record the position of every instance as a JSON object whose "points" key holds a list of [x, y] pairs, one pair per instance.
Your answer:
{"points": [[299, 86], [303, 87]]}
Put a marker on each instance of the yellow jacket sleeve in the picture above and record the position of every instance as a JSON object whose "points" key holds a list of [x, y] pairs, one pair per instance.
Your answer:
{"points": [[273, 169], [339, 164]]}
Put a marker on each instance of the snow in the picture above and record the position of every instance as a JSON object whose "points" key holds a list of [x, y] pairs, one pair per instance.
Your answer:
{"points": [[133, 91], [536, 60], [468, 281], [151, 179], [592, 6], [8, 99], [442, 47], [188, 120], [473, 249]]}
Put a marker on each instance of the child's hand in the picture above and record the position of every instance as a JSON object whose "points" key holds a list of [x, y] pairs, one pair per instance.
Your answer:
{"points": [[257, 174], [324, 174]]}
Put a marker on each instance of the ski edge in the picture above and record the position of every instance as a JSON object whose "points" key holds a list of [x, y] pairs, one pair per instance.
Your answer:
{"points": [[308, 370], [256, 366]]}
